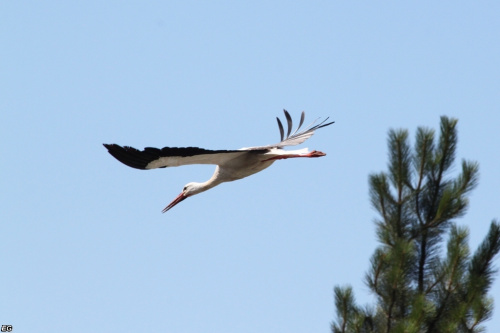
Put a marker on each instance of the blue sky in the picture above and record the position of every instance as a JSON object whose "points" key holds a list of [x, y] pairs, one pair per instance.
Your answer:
{"points": [[84, 244]]}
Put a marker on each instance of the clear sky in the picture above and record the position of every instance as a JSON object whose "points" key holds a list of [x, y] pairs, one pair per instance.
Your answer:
{"points": [[84, 244]]}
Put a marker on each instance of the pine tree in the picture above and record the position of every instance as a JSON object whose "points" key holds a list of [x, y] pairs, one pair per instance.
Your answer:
{"points": [[417, 287]]}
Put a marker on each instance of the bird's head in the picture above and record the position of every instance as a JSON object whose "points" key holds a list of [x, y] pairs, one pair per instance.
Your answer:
{"points": [[188, 190]]}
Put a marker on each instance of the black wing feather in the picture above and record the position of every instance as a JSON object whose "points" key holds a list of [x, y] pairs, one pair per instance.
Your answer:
{"points": [[139, 159], [282, 132], [289, 121], [296, 137]]}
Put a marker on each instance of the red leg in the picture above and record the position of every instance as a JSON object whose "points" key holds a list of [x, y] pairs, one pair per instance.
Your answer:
{"points": [[314, 153]]}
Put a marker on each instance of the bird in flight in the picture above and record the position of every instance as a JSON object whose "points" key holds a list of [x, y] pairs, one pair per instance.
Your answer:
{"points": [[230, 164]]}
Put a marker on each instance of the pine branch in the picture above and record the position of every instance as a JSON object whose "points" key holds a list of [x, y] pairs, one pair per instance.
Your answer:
{"points": [[417, 290], [447, 143], [399, 160], [350, 318], [480, 270], [380, 194], [424, 148], [400, 176], [442, 160], [437, 196], [378, 265], [344, 303], [449, 280]]}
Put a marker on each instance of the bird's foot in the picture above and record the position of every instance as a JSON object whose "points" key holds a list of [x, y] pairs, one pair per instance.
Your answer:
{"points": [[313, 153]]}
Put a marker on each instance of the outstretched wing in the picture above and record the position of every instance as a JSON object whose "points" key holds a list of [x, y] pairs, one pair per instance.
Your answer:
{"points": [[152, 158], [296, 137]]}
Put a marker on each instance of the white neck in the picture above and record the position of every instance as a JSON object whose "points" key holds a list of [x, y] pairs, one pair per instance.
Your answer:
{"points": [[215, 180]]}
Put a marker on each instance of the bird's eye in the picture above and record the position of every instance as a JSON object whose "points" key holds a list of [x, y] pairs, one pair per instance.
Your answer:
{"points": [[185, 187]]}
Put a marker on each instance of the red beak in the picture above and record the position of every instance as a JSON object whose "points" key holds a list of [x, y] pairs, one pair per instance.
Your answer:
{"points": [[178, 199]]}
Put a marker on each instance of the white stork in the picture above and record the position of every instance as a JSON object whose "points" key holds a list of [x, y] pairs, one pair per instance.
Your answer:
{"points": [[230, 164]]}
